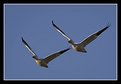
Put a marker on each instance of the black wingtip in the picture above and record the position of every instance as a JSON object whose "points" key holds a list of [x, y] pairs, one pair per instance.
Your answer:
{"points": [[99, 32], [108, 25], [69, 48], [53, 22], [55, 25], [65, 50], [22, 38]]}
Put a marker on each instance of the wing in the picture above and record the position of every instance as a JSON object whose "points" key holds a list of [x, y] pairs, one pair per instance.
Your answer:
{"points": [[29, 48], [93, 36], [60, 31], [54, 55]]}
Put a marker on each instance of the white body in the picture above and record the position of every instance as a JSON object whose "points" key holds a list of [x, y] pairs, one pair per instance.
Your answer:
{"points": [[79, 48], [41, 62]]}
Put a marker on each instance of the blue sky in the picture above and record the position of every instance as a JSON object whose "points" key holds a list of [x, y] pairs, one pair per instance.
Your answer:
{"points": [[33, 23]]}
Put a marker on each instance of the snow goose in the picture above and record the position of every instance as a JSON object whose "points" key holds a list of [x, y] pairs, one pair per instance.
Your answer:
{"points": [[44, 61], [80, 47]]}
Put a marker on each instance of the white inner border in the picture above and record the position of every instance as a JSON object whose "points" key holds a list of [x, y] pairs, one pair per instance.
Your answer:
{"points": [[63, 79]]}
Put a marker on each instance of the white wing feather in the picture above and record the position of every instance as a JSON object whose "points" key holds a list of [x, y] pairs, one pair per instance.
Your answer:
{"points": [[28, 47], [60, 31]]}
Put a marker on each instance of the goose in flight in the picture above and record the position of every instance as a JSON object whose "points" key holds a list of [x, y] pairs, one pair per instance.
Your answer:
{"points": [[44, 61], [80, 47]]}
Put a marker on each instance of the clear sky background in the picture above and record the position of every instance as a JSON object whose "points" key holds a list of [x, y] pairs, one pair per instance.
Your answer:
{"points": [[34, 24]]}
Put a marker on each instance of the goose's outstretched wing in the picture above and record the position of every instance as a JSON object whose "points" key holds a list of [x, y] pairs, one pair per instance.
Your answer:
{"points": [[60, 31], [54, 55], [93, 36], [29, 48]]}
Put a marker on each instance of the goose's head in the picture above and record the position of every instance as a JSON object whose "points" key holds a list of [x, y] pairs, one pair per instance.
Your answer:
{"points": [[70, 41], [35, 57]]}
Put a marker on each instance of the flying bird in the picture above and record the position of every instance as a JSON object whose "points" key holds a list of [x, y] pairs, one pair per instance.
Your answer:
{"points": [[80, 47], [44, 61]]}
